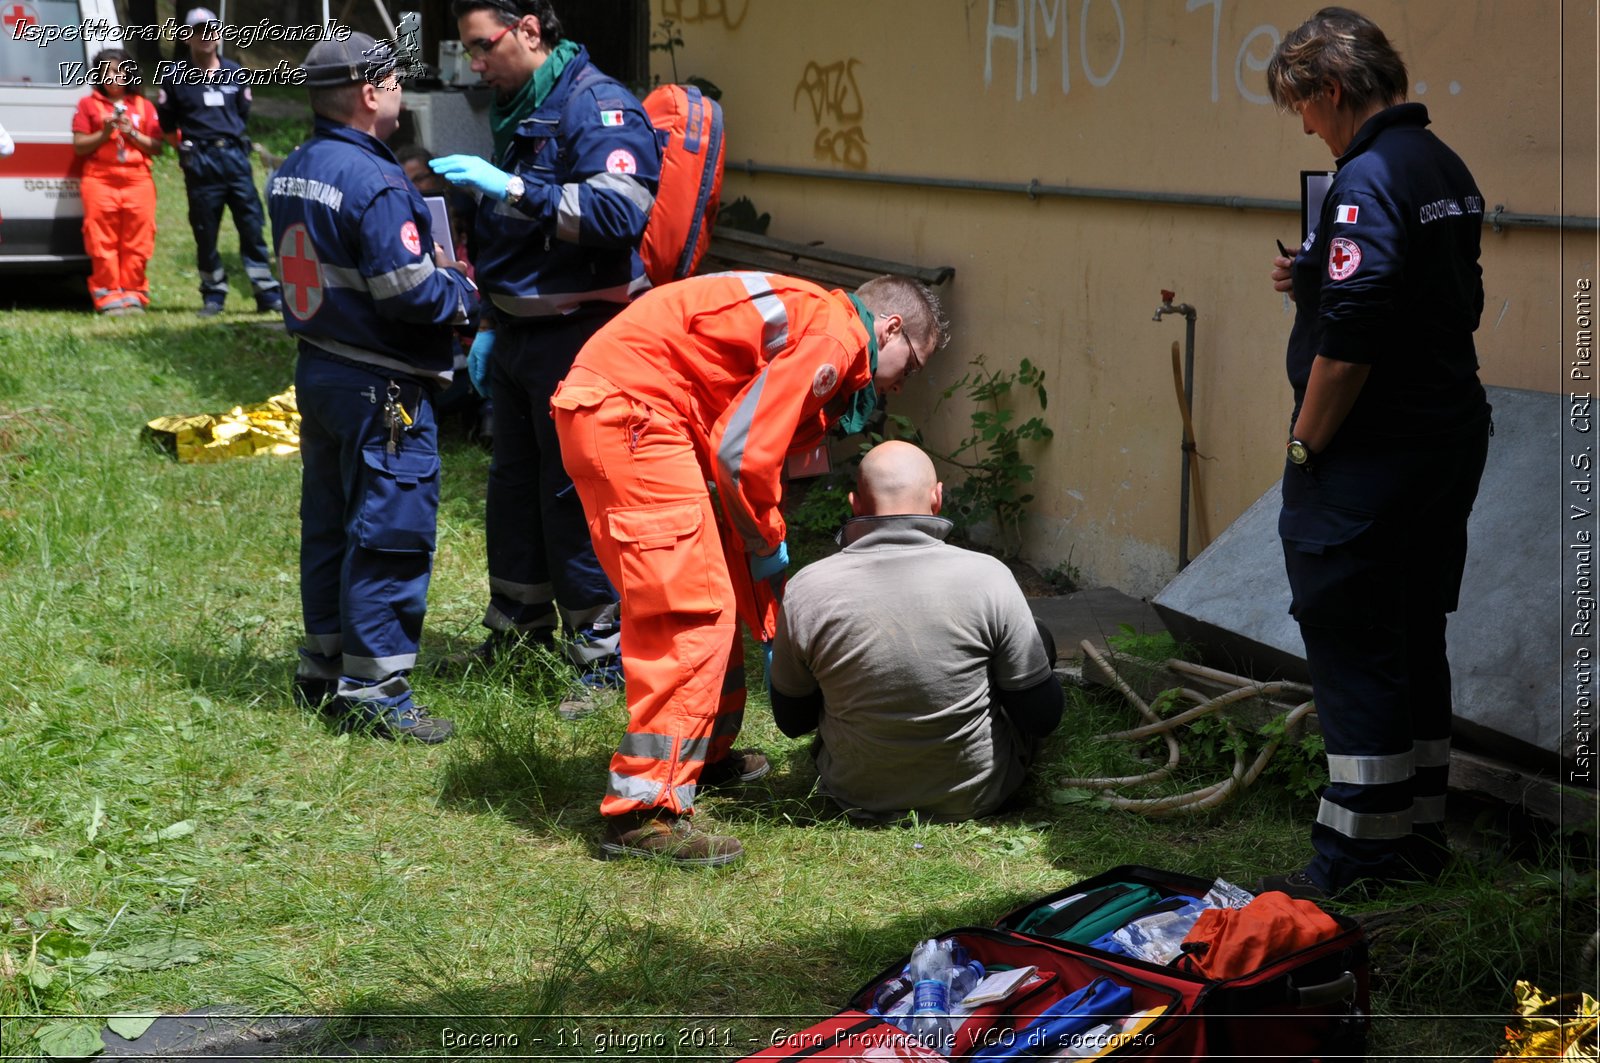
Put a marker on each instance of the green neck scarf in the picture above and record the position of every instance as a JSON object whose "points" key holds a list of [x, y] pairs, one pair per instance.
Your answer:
{"points": [[506, 115], [864, 403]]}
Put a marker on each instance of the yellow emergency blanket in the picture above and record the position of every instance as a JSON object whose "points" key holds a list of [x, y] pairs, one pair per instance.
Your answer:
{"points": [[271, 427], [1553, 1027]]}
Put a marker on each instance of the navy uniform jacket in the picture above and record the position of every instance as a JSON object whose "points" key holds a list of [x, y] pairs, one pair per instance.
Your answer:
{"points": [[1390, 278], [591, 163], [214, 109], [356, 253]]}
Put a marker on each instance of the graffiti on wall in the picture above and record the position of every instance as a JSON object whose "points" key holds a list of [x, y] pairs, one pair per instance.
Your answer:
{"points": [[1035, 25], [837, 110], [730, 13]]}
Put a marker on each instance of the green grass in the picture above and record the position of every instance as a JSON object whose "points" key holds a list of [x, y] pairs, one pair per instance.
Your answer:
{"points": [[173, 833]]}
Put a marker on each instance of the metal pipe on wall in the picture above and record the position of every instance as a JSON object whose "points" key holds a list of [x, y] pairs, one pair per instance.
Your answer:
{"points": [[1498, 218]]}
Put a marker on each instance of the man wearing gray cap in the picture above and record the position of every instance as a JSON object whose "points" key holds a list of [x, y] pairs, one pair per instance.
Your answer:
{"points": [[371, 299], [204, 105]]}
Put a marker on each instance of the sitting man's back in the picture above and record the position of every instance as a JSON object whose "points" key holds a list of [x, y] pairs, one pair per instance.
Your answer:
{"points": [[918, 663]]}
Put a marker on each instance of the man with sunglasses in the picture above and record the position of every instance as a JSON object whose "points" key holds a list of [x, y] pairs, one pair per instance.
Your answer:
{"points": [[564, 206], [204, 105], [718, 377]]}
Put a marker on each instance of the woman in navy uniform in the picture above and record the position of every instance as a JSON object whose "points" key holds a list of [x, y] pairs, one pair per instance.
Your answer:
{"points": [[371, 300], [1386, 447]]}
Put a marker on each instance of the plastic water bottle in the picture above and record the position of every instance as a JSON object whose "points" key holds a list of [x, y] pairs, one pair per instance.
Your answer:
{"points": [[965, 972], [930, 1009]]}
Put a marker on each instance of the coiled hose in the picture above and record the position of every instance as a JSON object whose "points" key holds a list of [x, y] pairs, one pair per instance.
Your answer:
{"points": [[1206, 797]]}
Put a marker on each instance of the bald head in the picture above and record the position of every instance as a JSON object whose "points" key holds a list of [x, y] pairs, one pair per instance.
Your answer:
{"points": [[895, 479]]}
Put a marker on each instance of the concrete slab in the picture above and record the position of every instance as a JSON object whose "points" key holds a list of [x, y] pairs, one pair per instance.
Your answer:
{"points": [[1092, 615], [1233, 600]]}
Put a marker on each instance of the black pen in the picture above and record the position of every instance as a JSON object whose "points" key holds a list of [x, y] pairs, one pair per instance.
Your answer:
{"points": [[1284, 251]]}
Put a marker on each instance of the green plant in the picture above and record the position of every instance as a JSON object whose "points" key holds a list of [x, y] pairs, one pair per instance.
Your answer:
{"points": [[991, 452]]}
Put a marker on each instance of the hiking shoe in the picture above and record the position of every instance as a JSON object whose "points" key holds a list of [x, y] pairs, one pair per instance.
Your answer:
{"points": [[413, 722], [269, 303], [656, 834], [499, 646], [739, 766], [591, 690], [316, 694], [210, 308], [1297, 884]]}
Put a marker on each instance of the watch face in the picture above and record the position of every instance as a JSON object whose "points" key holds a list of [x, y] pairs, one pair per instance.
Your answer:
{"points": [[1298, 452]]}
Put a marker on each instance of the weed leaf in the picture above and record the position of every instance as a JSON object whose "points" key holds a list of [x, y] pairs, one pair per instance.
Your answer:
{"points": [[180, 829], [70, 1040], [130, 1027]]}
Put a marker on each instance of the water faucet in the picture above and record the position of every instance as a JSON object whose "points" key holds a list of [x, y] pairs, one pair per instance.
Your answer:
{"points": [[1166, 307]]}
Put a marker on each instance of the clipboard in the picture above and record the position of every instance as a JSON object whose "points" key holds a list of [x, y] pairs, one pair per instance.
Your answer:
{"points": [[1314, 186], [439, 211]]}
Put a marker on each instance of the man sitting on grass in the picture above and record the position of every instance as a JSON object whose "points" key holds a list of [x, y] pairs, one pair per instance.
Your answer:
{"points": [[918, 663]]}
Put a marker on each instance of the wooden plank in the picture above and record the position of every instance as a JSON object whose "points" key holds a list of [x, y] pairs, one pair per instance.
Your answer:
{"points": [[1544, 798]]}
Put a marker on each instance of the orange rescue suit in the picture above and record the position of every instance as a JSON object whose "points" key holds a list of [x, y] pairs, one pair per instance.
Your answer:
{"points": [[119, 202], [717, 379]]}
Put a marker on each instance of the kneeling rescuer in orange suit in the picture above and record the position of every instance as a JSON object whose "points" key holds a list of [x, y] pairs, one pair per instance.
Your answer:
{"points": [[718, 379]]}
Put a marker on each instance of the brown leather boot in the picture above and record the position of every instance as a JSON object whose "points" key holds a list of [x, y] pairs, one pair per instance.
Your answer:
{"points": [[739, 766], [656, 834]]}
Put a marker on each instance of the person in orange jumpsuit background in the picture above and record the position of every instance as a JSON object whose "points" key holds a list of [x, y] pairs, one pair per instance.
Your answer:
{"points": [[715, 378], [115, 132]]}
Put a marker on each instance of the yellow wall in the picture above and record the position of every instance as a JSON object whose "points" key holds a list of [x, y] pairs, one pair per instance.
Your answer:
{"points": [[1132, 94]]}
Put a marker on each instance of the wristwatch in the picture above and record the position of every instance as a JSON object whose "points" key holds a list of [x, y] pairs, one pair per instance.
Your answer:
{"points": [[515, 190], [1300, 454]]}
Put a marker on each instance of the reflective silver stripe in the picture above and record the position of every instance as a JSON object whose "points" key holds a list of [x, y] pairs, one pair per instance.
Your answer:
{"points": [[599, 617], [317, 668], [1369, 771], [402, 280], [634, 788], [685, 796], [569, 214], [1427, 810], [694, 749], [1373, 825], [645, 744], [728, 723], [1434, 753], [261, 273], [378, 667], [393, 687], [495, 620], [325, 645], [589, 649], [343, 277], [523, 593], [560, 302], [775, 333], [373, 358], [731, 457]]}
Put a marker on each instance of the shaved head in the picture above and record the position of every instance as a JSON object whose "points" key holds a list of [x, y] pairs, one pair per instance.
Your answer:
{"points": [[896, 478]]}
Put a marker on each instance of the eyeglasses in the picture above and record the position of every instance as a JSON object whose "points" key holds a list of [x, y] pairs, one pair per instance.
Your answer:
{"points": [[480, 49], [915, 362]]}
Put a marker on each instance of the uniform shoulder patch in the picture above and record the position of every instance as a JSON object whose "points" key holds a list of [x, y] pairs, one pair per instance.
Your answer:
{"points": [[1344, 258], [622, 161], [611, 118], [824, 380], [411, 237], [1346, 214]]}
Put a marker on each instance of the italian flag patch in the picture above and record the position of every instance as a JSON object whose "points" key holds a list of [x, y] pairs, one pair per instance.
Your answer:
{"points": [[610, 118]]}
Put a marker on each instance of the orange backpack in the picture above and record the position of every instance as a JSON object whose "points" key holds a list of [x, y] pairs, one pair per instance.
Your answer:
{"points": [[689, 129]]}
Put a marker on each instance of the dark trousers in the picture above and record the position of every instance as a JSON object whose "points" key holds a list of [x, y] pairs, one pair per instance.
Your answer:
{"points": [[538, 538], [218, 176], [1375, 541], [368, 521]]}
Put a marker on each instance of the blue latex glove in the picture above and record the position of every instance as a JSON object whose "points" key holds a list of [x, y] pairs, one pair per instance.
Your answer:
{"points": [[478, 361], [771, 565], [473, 172]]}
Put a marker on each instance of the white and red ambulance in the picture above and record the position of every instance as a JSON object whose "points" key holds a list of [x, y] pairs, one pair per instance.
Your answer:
{"points": [[46, 47]]}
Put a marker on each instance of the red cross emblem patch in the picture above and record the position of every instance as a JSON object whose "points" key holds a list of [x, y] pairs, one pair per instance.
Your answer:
{"points": [[1343, 258], [411, 238], [19, 17], [302, 273], [825, 380], [621, 161]]}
